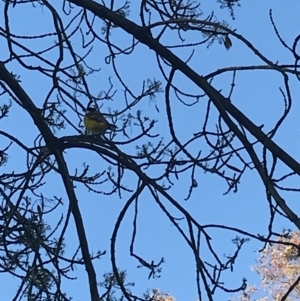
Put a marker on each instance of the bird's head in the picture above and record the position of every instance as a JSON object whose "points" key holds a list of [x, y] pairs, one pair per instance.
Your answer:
{"points": [[90, 109]]}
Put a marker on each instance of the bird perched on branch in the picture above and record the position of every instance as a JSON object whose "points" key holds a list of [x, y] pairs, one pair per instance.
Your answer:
{"points": [[95, 122]]}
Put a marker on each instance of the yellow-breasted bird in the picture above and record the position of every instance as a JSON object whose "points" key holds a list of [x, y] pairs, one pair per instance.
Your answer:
{"points": [[95, 122]]}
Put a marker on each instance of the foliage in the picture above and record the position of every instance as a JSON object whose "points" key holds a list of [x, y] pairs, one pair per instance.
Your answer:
{"points": [[278, 267]]}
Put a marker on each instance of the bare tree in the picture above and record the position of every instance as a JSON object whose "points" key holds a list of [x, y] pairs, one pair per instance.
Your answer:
{"points": [[82, 37]]}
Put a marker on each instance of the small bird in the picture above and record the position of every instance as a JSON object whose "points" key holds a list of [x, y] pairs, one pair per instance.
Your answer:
{"points": [[95, 122]]}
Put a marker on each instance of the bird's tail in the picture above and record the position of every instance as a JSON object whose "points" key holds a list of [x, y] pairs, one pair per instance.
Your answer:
{"points": [[112, 127]]}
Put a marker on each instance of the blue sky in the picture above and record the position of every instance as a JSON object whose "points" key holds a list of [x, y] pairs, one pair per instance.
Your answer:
{"points": [[256, 94]]}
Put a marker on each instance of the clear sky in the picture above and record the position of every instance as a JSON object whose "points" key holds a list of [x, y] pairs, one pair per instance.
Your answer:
{"points": [[256, 94]]}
